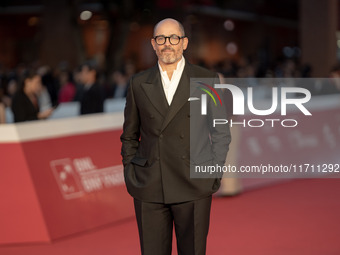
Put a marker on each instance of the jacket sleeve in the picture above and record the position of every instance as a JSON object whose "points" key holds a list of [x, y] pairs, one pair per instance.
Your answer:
{"points": [[220, 134], [131, 127]]}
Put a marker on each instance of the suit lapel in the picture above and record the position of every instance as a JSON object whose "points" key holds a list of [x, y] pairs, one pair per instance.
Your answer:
{"points": [[154, 91], [181, 96]]}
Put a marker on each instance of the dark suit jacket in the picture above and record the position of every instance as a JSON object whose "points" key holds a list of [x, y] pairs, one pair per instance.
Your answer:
{"points": [[156, 140], [23, 109], [92, 100]]}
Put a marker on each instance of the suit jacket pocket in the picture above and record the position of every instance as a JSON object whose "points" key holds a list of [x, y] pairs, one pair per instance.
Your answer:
{"points": [[139, 161]]}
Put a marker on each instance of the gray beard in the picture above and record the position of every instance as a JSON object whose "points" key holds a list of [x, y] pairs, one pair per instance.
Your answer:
{"points": [[169, 59]]}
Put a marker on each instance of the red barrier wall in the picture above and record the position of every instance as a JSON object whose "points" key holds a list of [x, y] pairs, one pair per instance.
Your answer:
{"points": [[56, 185], [61, 177], [21, 216]]}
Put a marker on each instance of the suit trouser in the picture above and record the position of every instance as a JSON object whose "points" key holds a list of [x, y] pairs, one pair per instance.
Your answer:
{"points": [[155, 223]]}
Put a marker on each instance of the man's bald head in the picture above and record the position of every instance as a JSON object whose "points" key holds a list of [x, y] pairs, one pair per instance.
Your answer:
{"points": [[166, 22]]}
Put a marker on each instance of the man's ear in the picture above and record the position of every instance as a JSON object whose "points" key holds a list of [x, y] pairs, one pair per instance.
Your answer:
{"points": [[153, 43], [185, 43]]}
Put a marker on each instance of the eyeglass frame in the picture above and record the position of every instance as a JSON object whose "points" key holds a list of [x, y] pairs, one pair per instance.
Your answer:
{"points": [[168, 37]]}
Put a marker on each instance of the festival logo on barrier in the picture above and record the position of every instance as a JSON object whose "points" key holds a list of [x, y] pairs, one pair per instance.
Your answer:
{"points": [[75, 177]]}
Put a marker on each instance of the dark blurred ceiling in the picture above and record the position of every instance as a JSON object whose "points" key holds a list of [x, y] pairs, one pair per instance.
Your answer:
{"points": [[285, 9], [279, 8]]}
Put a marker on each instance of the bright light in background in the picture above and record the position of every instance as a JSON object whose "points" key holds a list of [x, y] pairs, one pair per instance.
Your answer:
{"points": [[231, 48], [85, 15], [229, 25]]}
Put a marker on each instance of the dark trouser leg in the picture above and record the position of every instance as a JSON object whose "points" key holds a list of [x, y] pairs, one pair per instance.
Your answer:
{"points": [[192, 225], [155, 225]]}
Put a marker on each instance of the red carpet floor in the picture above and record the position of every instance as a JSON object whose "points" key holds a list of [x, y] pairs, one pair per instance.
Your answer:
{"points": [[294, 218]]}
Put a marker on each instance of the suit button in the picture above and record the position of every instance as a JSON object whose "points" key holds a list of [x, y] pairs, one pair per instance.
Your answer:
{"points": [[188, 115], [181, 136], [157, 158], [152, 117], [183, 157], [160, 136]]}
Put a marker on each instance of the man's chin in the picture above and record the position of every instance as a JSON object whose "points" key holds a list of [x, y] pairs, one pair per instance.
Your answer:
{"points": [[169, 60]]}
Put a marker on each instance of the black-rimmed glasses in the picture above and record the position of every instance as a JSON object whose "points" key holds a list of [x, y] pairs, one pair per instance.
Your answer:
{"points": [[173, 39]]}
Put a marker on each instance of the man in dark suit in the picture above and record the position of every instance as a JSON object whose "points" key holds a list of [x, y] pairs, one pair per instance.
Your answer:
{"points": [[157, 154], [92, 100]]}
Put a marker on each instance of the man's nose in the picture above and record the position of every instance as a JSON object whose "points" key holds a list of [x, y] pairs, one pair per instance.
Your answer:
{"points": [[167, 41]]}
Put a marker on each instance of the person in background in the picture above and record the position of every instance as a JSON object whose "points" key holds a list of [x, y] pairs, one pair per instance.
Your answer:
{"points": [[44, 96], [78, 84], [120, 84], [12, 87], [129, 69], [67, 87], [92, 100], [25, 104], [50, 84], [2, 109]]}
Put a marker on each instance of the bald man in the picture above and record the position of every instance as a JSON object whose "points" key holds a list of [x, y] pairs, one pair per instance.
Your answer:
{"points": [[156, 150]]}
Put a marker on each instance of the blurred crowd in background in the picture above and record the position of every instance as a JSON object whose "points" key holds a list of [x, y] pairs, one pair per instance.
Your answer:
{"points": [[62, 84]]}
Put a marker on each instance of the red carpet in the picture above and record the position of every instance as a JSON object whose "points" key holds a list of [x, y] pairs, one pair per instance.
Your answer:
{"points": [[294, 218]]}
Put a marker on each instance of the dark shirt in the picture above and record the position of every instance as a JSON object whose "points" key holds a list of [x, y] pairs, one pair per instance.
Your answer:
{"points": [[23, 109], [92, 100]]}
